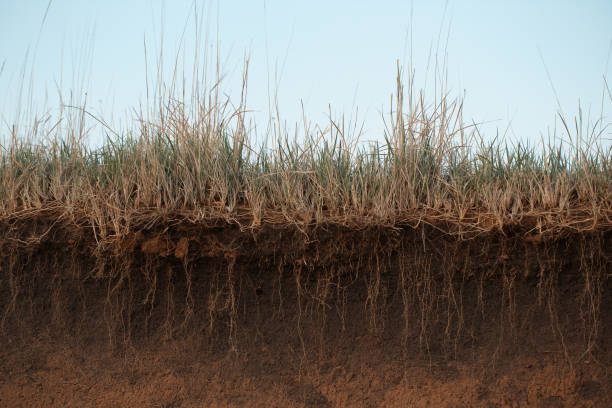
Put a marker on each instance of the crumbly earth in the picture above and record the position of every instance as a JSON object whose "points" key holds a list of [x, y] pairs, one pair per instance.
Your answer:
{"points": [[486, 324], [169, 375]]}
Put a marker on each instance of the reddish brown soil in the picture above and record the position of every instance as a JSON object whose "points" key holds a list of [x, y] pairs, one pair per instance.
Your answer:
{"points": [[176, 375], [488, 323]]}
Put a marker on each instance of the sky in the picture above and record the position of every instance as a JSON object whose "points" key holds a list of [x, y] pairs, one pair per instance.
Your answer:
{"points": [[515, 64]]}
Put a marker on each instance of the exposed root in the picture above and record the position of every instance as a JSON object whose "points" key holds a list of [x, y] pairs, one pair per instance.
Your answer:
{"points": [[442, 291]]}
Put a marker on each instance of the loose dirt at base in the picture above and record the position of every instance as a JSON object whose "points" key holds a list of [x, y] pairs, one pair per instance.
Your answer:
{"points": [[167, 376]]}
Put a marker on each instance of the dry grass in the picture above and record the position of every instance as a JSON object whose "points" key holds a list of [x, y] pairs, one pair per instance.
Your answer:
{"points": [[196, 160]]}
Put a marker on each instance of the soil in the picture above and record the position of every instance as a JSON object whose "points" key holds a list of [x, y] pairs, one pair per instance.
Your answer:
{"points": [[175, 375], [485, 323]]}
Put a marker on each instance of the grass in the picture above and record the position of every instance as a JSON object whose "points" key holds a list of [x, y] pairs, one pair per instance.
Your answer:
{"points": [[432, 168]]}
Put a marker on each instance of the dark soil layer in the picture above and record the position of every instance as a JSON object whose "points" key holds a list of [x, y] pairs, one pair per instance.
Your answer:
{"points": [[330, 316]]}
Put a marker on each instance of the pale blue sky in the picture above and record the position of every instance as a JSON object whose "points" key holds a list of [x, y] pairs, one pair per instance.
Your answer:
{"points": [[341, 53]]}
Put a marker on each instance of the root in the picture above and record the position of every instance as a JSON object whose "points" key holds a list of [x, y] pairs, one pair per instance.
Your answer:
{"points": [[442, 293]]}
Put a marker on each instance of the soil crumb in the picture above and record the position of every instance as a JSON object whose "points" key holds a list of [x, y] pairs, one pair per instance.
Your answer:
{"points": [[52, 375]]}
